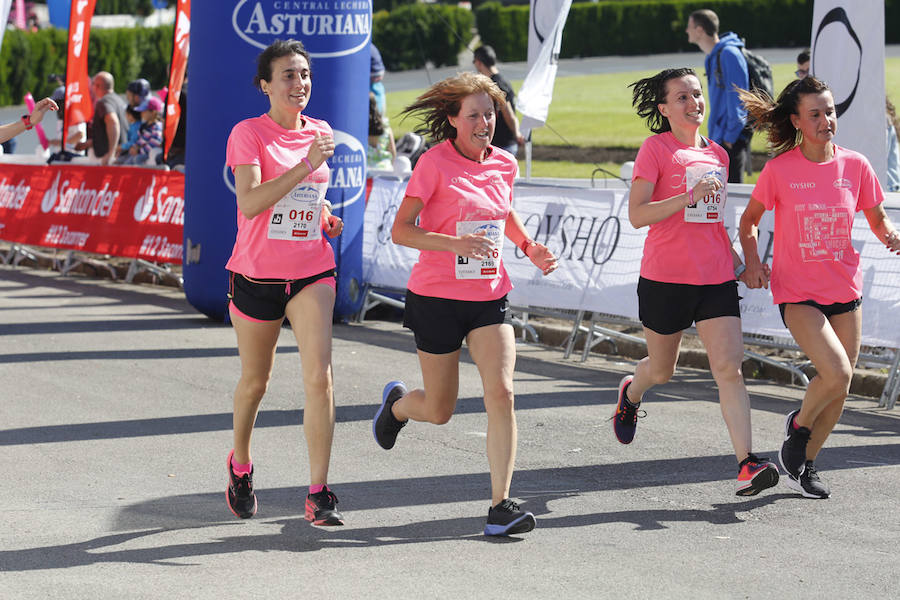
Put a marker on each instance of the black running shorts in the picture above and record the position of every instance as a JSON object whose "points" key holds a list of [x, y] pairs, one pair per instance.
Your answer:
{"points": [[668, 308], [265, 299], [440, 325], [829, 310]]}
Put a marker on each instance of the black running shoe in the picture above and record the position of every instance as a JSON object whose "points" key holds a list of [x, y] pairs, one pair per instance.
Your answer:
{"points": [[385, 426], [320, 508], [792, 455], [507, 519], [240, 496], [809, 484], [755, 474], [626, 415]]}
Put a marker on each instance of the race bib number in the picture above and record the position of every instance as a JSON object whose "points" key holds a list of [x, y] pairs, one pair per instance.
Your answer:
{"points": [[298, 216], [709, 208], [486, 268]]}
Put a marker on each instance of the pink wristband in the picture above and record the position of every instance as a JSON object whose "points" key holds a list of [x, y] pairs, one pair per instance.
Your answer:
{"points": [[690, 194], [308, 164]]}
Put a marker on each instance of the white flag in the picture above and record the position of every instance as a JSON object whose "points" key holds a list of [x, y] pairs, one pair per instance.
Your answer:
{"points": [[545, 25], [4, 17], [848, 54]]}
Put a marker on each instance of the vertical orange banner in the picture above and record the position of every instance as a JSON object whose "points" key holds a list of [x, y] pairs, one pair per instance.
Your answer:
{"points": [[78, 83], [180, 50]]}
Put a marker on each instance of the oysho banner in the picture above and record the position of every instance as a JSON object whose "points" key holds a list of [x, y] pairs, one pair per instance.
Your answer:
{"points": [[122, 211], [600, 256], [226, 38]]}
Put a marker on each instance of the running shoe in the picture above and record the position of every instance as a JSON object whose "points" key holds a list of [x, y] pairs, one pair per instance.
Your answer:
{"points": [[792, 455], [240, 496], [755, 474], [809, 484], [385, 426], [626, 415], [507, 519], [320, 508]]}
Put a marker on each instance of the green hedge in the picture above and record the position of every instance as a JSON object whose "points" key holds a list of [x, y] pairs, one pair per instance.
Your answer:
{"points": [[411, 35], [643, 27], [26, 58]]}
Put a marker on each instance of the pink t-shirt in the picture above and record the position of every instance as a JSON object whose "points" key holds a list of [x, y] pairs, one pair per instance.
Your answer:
{"points": [[456, 190], [676, 251], [813, 255], [257, 251]]}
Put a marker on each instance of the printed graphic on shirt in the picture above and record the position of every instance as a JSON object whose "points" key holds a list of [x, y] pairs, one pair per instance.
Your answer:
{"points": [[298, 215], [487, 268], [709, 208], [824, 232]]}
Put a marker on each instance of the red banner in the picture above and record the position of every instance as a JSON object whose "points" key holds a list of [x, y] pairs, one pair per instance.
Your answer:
{"points": [[129, 212], [78, 83], [180, 50]]}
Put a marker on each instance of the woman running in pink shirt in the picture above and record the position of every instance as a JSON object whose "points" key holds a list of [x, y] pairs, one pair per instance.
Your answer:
{"points": [[457, 212], [689, 268], [282, 266], [815, 188]]}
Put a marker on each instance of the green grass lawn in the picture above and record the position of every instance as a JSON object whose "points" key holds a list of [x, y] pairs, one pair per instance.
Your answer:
{"points": [[595, 110]]}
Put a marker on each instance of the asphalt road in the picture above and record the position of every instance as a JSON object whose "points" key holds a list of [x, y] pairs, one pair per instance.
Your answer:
{"points": [[115, 403]]}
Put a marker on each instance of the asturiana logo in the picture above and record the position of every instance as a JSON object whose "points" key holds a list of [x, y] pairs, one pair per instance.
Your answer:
{"points": [[348, 166], [64, 199], [329, 28], [169, 209]]}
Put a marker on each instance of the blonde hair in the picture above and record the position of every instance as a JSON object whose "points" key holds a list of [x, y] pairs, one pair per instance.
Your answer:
{"points": [[444, 99]]}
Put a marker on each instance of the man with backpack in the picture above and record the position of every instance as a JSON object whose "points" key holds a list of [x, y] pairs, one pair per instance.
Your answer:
{"points": [[726, 67]]}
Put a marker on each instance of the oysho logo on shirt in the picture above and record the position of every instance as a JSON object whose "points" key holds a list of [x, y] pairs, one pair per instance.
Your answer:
{"points": [[842, 182], [803, 185]]}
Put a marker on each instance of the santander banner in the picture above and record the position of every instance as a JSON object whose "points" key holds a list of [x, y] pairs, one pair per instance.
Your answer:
{"points": [[226, 38], [180, 49], [122, 211], [78, 83]]}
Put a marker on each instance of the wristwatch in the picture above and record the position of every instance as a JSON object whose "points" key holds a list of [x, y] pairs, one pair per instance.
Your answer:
{"points": [[27, 120], [739, 270]]}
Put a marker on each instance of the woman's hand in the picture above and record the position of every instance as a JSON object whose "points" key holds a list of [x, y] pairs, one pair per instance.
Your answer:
{"points": [[333, 224], [756, 276], [40, 108], [892, 241], [321, 150], [541, 257], [474, 245], [707, 186]]}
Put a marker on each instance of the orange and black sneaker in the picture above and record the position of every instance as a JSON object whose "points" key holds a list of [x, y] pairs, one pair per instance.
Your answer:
{"points": [[240, 496], [321, 508], [755, 474], [626, 415]]}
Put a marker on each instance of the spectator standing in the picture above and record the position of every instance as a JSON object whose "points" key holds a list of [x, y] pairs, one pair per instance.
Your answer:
{"points": [[893, 148], [802, 64], [381, 149], [726, 68], [108, 124], [506, 134], [376, 78]]}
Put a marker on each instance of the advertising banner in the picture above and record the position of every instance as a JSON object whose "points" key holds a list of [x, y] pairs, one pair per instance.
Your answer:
{"points": [[180, 49], [128, 212], [600, 254], [226, 38], [78, 82], [848, 54], [545, 27]]}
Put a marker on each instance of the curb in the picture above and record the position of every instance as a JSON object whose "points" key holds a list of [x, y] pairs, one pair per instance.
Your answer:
{"points": [[865, 382]]}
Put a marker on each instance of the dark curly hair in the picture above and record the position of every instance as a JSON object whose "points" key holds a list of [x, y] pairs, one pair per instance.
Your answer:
{"points": [[650, 92]]}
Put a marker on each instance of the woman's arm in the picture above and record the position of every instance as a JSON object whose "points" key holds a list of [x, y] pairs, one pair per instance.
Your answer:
{"points": [[882, 227], [537, 253], [757, 274], [255, 197], [641, 211], [405, 232]]}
